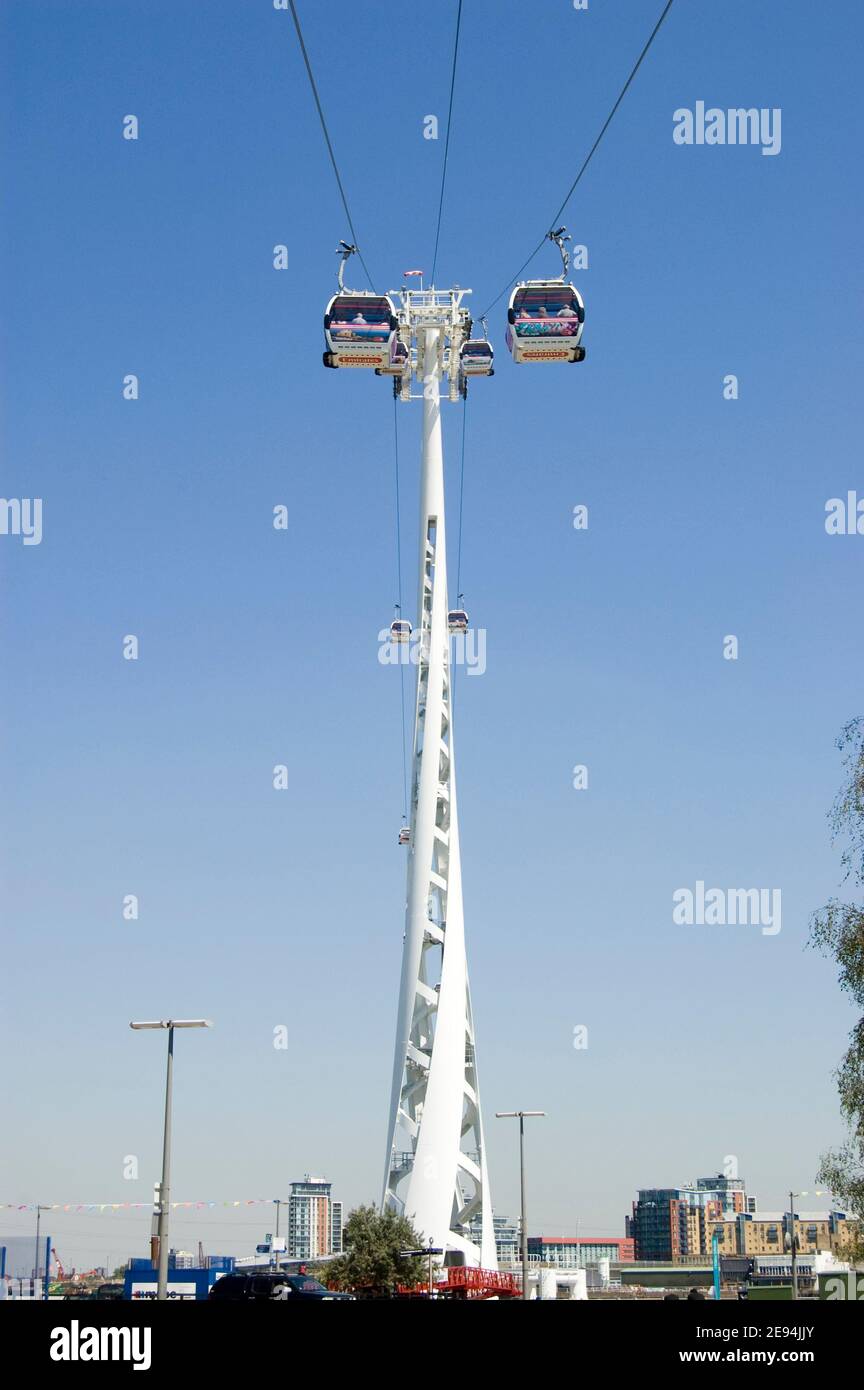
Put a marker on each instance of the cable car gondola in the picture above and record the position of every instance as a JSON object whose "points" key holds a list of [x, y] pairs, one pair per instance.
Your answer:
{"points": [[359, 325], [399, 361], [546, 317], [457, 618], [400, 628], [475, 358], [405, 835]]}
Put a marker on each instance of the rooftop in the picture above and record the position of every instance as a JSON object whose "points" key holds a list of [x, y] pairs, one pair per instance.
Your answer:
{"points": [[582, 1240]]}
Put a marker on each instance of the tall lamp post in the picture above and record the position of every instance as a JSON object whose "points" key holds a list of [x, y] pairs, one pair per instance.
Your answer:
{"points": [[279, 1203], [521, 1116], [162, 1227], [39, 1211], [792, 1241]]}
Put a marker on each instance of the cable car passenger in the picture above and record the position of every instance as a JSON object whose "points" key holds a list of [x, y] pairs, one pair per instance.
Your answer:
{"points": [[535, 318], [369, 324]]}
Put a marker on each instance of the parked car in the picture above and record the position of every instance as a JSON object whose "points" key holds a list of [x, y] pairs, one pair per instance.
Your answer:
{"points": [[270, 1286], [112, 1291]]}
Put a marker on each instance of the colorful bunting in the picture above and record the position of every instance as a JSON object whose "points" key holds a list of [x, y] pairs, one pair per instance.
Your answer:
{"points": [[131, 1206]]}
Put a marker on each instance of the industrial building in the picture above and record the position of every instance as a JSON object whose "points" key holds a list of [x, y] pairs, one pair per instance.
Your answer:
{"points": [[580, 1252], [185, 1282]]}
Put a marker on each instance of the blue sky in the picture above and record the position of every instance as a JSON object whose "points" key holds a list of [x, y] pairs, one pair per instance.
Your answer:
{"points": [[257, 647]]}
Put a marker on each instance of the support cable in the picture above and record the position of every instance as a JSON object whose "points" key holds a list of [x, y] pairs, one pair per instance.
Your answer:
{"points": [[556, 216], [327, 139], [399, 589], [447, 140], [459, 543], [461, 495]]}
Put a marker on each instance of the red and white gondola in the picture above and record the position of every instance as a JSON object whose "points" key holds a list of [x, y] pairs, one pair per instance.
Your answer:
{"points": [[359, 325], [545, 318]]}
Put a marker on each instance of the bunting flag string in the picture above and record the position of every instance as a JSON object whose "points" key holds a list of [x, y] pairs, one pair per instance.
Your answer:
{"points": [[134, 1206]]}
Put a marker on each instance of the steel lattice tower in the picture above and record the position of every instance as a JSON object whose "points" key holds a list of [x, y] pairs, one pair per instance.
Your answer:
{"points": [[436, 1171]]}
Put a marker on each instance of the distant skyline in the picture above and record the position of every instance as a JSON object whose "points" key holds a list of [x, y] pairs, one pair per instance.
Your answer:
{"points": [[152, 778]]}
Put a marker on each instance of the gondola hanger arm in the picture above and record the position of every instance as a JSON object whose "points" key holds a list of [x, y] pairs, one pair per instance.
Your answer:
{"points": [[560, 235], [344, 249]]}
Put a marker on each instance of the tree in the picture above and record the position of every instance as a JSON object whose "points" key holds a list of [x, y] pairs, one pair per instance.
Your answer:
{"points": [[371, 1261], [838, 930]]}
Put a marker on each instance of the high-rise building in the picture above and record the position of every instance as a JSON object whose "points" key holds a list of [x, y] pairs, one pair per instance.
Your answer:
{"points": [[675, 1223], [336, 1228], [729, 1192], [656, 1224], [314, 1220]]}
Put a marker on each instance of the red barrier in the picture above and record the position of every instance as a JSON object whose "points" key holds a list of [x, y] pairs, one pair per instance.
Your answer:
{"points": [[462, 1282]]}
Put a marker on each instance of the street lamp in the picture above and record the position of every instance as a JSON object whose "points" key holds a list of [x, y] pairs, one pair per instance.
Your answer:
{"points": [[521, 1116], [792, 1239], [279, 1202], [162, 1227], [792, 1242], [39, 1211], [429, 1250]]}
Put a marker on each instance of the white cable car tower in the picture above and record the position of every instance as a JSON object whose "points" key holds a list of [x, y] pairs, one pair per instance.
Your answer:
{"points": [[435, 1169]]}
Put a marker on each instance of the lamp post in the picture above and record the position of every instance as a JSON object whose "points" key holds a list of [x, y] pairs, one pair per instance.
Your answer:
{"points": [[164, 1186], [819, 1192], [429, 1250], [792, 1242], [279, 1203], [521, 1116], [39, 1211]]}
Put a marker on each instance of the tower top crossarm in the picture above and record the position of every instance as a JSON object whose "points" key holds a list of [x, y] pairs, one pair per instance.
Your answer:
{"points": [[433, 326], [433, 308]]}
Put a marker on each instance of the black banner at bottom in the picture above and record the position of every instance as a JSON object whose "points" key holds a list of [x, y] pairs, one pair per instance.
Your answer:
{"points": [[84, 1339]]}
